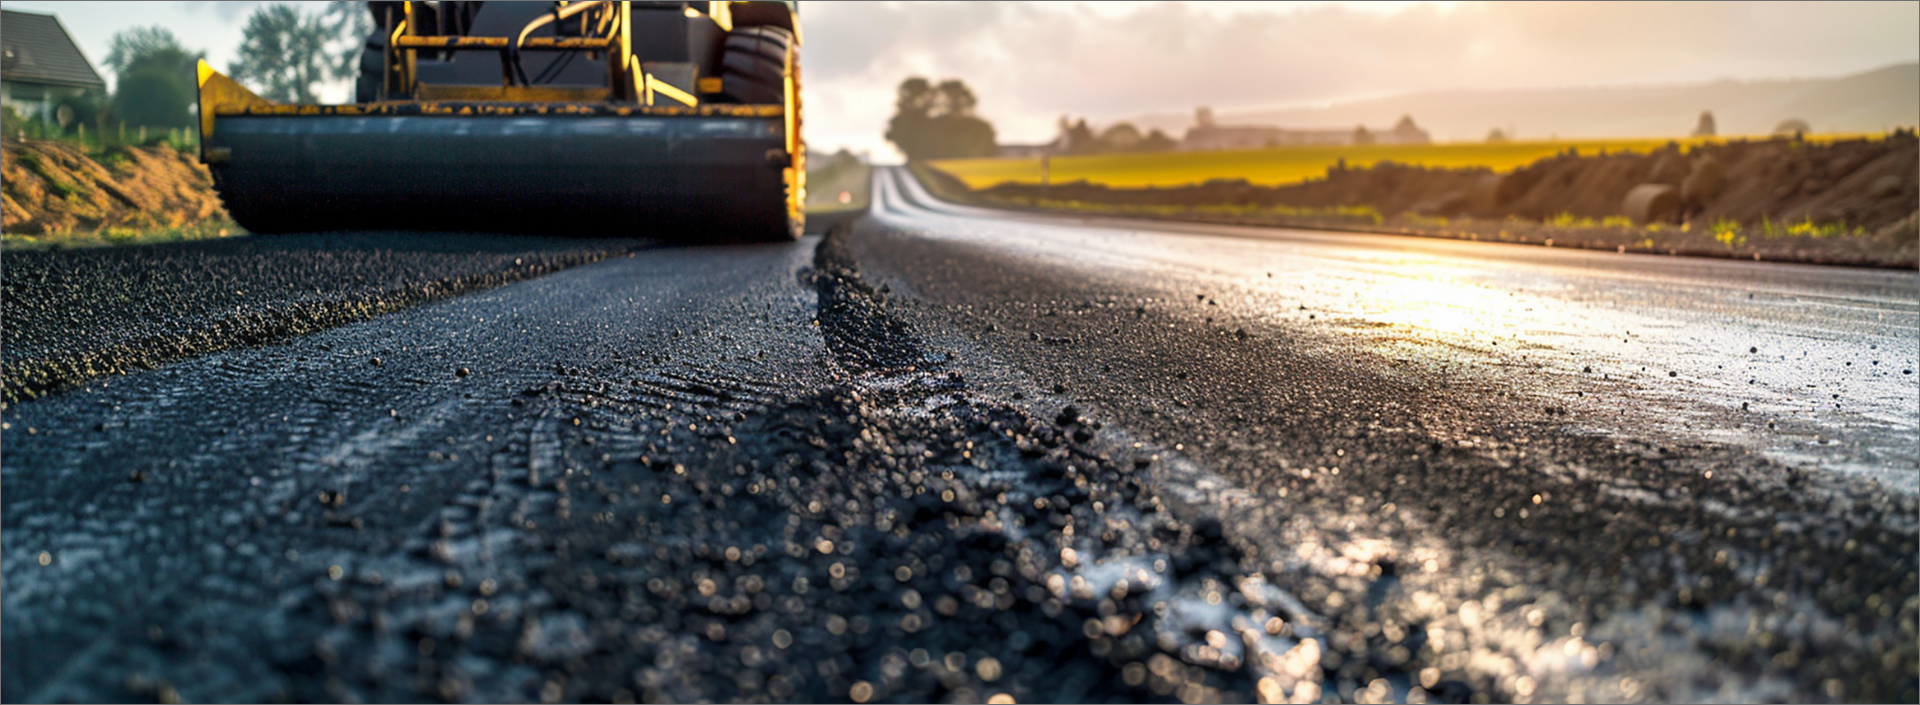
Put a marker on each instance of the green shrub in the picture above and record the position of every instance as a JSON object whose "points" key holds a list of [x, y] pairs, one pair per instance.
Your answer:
{"points": [[1807, 228], [1727, 232]]}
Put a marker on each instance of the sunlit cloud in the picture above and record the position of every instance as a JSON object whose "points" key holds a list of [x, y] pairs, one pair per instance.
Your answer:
{"points": [[1031, 63]]}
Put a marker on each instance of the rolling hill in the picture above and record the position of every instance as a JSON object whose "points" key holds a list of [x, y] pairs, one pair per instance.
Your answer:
{"points": [[1870, 101]]}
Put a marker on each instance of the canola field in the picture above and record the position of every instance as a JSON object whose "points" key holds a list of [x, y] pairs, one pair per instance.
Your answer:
{"points": [[1285, 165]]}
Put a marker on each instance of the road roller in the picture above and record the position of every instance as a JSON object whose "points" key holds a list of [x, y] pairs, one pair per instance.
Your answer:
{"points": [[674, 120]]}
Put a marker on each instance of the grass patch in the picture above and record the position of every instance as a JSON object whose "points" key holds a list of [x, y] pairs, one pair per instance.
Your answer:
{"points": [[1807, 228], [824, 187], [55, 185], [1726, 232], [98, 139], [1732, 234], [1569, 220], [209, 229], [1289, 165], [940, 184]]}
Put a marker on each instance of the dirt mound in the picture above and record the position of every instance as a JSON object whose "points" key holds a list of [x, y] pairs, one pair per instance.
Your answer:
{"points": [[1868, 184], [54, 188]]}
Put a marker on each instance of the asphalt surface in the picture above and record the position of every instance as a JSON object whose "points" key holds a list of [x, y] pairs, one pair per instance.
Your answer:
{"points": [[73, 315], [948, 455]]}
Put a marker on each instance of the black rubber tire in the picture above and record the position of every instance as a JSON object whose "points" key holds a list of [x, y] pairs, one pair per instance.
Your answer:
{"points": [[756, 44], [754, 67], [366, 86], [755, 64]]}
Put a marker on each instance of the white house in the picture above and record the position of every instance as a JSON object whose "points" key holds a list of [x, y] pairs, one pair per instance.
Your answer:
{"points": [[40, 65]]}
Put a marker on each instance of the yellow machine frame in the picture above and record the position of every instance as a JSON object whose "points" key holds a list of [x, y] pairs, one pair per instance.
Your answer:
{"points": [[631, 92]]}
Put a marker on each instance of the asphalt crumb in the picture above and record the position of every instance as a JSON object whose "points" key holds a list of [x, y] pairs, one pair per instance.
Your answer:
{"points": [[74, 315], [866, 550], [894, 536], [1404, 504], [899, 532], [852, 314]]}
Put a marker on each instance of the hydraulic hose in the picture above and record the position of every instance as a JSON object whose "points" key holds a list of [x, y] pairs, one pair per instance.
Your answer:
{"points": [[558, 14]]}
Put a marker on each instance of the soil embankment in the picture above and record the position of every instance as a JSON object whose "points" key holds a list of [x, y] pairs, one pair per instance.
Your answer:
{"points": [[54, 189], [1842, 202]]}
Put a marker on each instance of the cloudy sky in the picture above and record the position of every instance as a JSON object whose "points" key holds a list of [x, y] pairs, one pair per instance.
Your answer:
{"points": [[1032, 62]]}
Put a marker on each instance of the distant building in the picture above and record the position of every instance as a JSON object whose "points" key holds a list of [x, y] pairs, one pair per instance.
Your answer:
{"points": [[1210, 137], [1205, 136], [40, 65], [1217, 137], [1404, 132]]}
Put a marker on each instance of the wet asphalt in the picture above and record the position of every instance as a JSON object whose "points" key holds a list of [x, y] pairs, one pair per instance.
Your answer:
{"points": [[951, 455]]}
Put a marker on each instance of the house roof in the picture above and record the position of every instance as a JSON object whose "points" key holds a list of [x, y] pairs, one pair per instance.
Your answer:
{"points": [[37, 49]]}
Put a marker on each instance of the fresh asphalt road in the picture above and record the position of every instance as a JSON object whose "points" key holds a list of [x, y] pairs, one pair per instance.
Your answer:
{"points": [[952, 454], [1819, 359]]}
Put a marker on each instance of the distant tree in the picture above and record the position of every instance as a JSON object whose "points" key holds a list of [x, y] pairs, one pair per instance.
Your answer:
{"points": [[955, 98], [938, 122], [153, 45], [967, 134], [1361, 136], [1121, 137], [1497, 136], [1406, 132], [153, 96], [844, 159], [909, 129], [283, 54], [915, 96], [827, 166], [347, 24], [1203, 116], [1076, 137], [153, 78], [1157, 141], [1080, 138], [1705, 128]]}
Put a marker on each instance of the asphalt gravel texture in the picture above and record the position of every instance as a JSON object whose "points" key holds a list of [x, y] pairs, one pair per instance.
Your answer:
{"points": [[73, 315], [924, 459]]}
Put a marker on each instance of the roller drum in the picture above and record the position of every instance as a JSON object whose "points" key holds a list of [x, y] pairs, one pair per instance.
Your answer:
{"points": [[671, 177]]}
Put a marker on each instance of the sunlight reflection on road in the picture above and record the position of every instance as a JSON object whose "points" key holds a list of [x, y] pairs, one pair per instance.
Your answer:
{"points": [[1439, 303], [1810, 365]]}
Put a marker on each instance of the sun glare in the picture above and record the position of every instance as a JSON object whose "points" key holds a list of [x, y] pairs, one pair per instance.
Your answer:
{"points": [[1441, 304]]}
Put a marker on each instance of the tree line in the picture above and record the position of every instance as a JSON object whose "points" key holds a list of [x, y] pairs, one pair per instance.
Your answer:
{"points": [[939, 121], [284, 55], [1119, 138]]}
